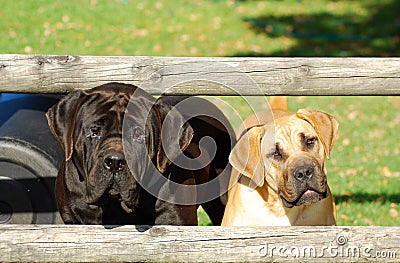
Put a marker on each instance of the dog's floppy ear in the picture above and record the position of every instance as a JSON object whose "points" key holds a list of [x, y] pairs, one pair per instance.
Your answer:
{"points": [[325, 125], [61, 119], [170, 121], [246, 156]]}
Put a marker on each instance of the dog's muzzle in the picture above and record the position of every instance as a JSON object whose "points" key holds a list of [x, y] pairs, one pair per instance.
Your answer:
{"points": [[120, 185], [310, 186], [113, 178], [129, 200]]}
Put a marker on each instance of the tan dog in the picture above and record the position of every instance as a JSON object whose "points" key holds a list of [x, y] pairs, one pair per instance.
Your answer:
{"points": [[281, 180]]}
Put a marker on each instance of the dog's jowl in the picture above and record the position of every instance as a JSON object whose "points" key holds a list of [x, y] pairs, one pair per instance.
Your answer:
{"points": [[100, 181]]}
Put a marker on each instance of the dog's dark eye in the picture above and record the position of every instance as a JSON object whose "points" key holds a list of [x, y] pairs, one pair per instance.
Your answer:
{"points": [[310, 142], [94, 133], [277, 153], [138, 135]]}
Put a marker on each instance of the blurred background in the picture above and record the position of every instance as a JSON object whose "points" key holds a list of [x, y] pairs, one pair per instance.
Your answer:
{"points": [[364, 170], [202, 28]]}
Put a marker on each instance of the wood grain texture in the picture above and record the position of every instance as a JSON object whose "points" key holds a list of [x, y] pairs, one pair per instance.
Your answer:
{"points": [[203, 76], [73, 243]]}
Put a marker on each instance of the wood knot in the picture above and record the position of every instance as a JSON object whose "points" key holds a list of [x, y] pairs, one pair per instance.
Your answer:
{"points": [[54, 59], [304, 70], [62, 59], [157, 231], [155, 78]]}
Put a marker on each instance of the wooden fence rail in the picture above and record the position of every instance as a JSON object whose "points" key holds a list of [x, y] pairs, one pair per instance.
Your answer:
{"points": [[60, 243], [274, 76], [208, 76]]}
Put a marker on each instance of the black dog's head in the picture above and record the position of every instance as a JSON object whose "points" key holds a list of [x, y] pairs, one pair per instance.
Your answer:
{"points": [[90, 124]]}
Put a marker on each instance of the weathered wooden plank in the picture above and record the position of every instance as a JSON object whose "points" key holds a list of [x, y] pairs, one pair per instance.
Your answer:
{"points": [[274, 76], [60, 243]]}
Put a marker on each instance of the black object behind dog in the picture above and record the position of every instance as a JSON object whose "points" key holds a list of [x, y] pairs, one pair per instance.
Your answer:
{"points": [[29, 160]]}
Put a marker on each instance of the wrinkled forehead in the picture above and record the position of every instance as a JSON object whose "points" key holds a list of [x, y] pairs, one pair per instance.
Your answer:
{"points": [[96, 105], [291, 129]]}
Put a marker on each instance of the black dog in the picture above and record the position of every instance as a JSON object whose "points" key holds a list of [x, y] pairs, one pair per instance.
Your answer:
{"points": [[95, 184]]}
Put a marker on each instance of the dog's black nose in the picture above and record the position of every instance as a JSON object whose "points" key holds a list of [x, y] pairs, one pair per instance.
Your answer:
{"points": [[303, 173], [114, 162]]}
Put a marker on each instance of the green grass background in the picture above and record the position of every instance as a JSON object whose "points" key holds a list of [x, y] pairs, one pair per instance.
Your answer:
{"points": [[364, 170]]}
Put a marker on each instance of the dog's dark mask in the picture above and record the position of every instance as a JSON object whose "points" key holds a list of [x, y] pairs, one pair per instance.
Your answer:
{"points": [[90, 126]]}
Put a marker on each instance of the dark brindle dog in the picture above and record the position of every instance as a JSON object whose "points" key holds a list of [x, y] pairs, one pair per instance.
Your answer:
{"points": [[95, 184]]}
